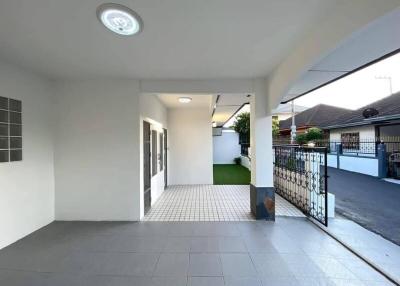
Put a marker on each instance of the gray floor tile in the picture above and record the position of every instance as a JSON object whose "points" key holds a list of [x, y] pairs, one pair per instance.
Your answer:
{"points": [[172, 264], [216, 229], [43, 240], [181, 229], [285, 245], [146, 229], [353, 282], [316, 281], [271, 266], [279, 281], [242, 281], [250, 229], [259, 244], [170, 281], [22, 278], [332, 268], [289, 252], [362, 270], [42, 260], [204, 244], [81, 263], [237, 265], [129, 243], [293, 258], [133, 264], [92, 243], [97, 280], [178, 244], [306, 271], [205, 265], [206, 281], [232, 244]]}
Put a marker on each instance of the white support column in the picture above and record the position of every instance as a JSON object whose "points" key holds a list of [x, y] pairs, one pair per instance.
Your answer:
{"points": [[262, 191]]}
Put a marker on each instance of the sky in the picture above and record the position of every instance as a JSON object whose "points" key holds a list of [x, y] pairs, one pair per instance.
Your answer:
{"points": [[358, 89]]}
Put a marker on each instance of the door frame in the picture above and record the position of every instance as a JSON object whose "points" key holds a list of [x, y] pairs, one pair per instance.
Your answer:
{"points": [[165, 131], [146, 171]]}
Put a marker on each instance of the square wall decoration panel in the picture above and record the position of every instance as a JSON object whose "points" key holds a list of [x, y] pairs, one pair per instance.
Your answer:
{"points": [[10, 130]]}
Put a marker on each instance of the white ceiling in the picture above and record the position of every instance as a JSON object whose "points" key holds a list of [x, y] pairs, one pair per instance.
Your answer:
{"points": [[227, 106], [374, 41], [181, 39], [198, 100]]}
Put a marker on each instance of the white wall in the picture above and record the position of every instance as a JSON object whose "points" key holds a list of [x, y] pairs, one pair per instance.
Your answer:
{"points": [[97, 162], [368, 166], [363, 165], [226, 147], [190, 146], [366, 132], [262, 168], [332, 160], [246, 162], [27, 187]]}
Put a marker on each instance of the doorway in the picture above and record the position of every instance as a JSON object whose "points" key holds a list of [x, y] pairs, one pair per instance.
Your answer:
{"points": [[165, 158], [146, 165]]}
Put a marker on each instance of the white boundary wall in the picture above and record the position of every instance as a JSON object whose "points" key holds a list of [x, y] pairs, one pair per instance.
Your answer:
{"points": [[363, 165], [226, 147], [246, 162]]}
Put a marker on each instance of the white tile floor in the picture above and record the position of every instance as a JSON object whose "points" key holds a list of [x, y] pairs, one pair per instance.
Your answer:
{"points": [[210, 203]]}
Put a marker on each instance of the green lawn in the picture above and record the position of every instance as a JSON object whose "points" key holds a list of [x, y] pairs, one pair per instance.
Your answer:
{"points": [[231, 175]]}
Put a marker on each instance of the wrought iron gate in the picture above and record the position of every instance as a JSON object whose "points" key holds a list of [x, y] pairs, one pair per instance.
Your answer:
{"points": [[300, 176]]}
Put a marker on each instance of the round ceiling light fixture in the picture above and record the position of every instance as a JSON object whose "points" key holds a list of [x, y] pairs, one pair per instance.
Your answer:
{"points": [[119, 19], [185, 99]]}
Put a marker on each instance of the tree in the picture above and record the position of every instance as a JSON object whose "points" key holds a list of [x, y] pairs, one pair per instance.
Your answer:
{"points": [[242, 126], [314, 134], [275, 126], [301, 139], [311, 134], [242, 123]]}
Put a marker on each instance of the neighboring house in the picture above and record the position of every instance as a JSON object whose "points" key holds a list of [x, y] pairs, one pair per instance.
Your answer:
{"points": [[360, 132], [317, 116], [379, 119]]}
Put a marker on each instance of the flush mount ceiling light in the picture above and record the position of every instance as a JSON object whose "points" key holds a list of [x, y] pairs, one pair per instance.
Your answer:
{"points": [[119, 19], [184, 99]]}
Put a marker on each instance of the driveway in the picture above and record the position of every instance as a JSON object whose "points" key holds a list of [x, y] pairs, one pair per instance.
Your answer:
{"points": [[369, 201]]}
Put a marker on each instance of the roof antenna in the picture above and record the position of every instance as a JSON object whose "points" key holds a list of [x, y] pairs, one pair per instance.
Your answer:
{"points": [[389, 78]]}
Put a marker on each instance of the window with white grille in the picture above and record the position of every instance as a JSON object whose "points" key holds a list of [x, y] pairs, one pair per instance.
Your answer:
{"points": [[10, 130]]}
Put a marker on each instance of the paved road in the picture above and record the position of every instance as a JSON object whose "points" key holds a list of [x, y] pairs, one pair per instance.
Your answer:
{"points": [[369, 201]]}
